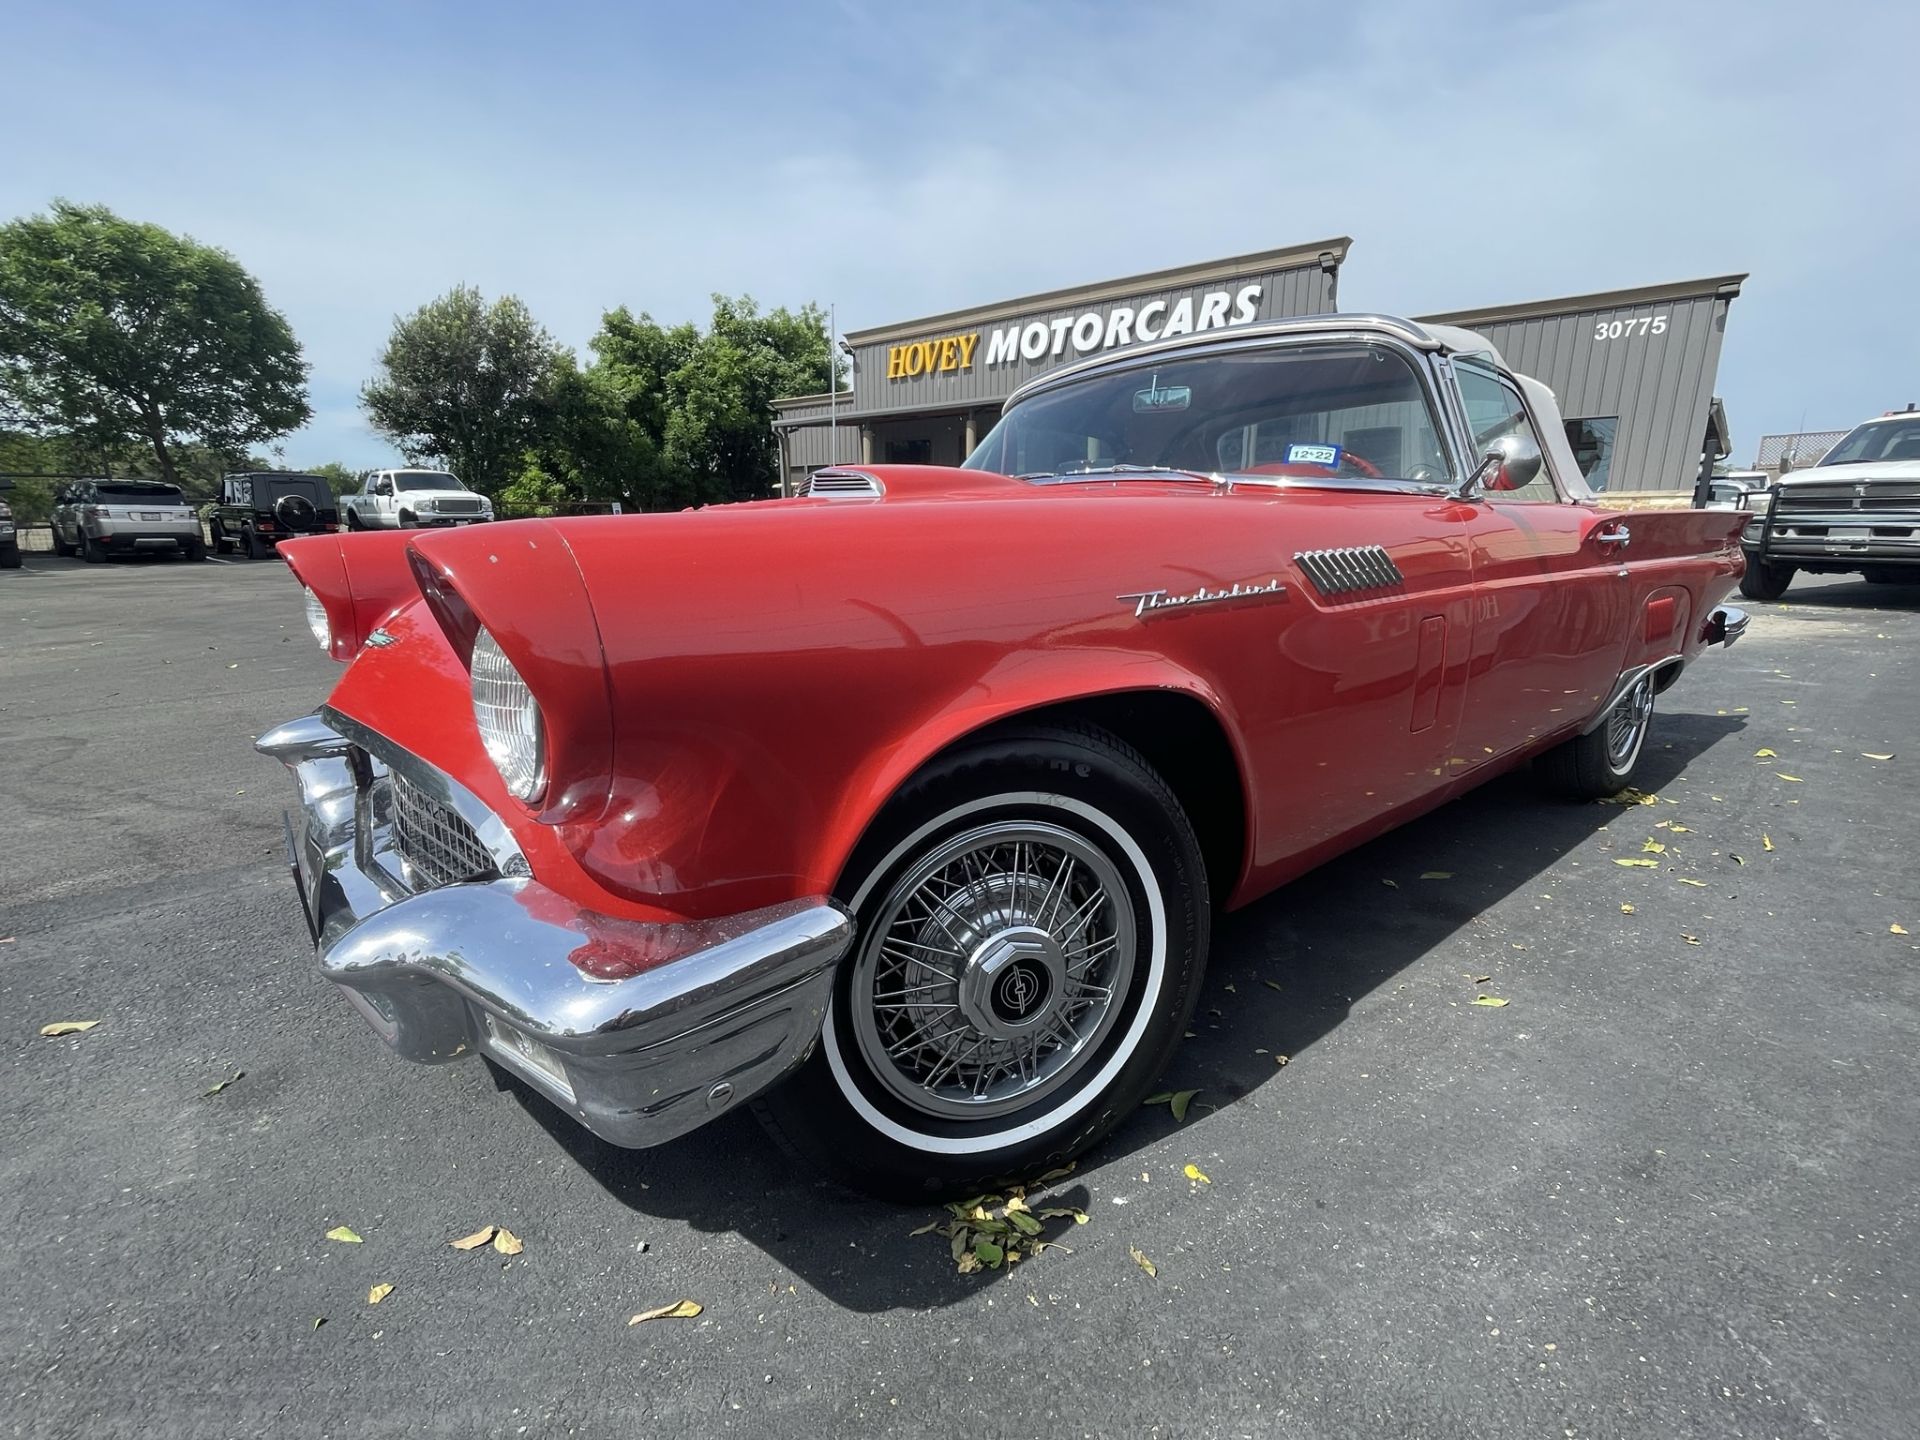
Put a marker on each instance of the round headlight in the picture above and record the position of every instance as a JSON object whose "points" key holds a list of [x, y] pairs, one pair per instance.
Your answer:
{"points": [[317, 621], [509, 720]]}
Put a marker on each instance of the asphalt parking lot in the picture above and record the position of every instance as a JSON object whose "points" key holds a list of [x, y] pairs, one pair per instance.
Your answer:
{"points": [[1668, 1189]]}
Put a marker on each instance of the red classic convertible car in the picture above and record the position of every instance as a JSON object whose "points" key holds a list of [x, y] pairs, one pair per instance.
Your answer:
{"points": [[901, 808]]}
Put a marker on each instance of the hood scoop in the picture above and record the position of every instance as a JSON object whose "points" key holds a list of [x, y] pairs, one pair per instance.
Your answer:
{"points": [[833, 484]]}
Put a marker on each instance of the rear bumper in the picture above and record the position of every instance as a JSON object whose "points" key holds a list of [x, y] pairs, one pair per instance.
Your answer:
{"points": [[706, 1014], [129, 537]]}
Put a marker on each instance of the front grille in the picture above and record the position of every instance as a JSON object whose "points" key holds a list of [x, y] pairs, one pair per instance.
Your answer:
{"points": [[439, 847], [458, 505], [1811, 497]]}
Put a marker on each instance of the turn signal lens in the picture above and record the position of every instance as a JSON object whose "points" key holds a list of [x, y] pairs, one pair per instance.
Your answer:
{"points": [[509, 719], [317, 622]]}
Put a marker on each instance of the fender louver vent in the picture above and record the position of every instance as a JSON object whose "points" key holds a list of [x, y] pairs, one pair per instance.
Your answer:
{"points": [[842, 485], [1343, 572]]}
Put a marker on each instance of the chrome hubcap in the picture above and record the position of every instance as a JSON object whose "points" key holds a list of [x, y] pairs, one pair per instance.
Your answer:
{"points": [[993, 969], [1627, 724]]}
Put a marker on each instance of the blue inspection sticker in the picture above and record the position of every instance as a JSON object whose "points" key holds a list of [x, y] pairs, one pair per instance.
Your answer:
{"points": [[1327, 455]]}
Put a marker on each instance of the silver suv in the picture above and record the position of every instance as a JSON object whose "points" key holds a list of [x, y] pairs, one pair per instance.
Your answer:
{"points": [[98, 518]]}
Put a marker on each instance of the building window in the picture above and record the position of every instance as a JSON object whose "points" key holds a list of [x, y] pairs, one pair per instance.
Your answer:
{"points": [[1592, 442]]}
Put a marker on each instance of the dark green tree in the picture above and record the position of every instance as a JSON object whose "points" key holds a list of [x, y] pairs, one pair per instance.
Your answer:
{"points": [[466, 384], [114, 331]]}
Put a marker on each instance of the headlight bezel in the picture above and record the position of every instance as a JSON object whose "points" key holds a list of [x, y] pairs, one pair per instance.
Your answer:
{"points": [[508, 717]]}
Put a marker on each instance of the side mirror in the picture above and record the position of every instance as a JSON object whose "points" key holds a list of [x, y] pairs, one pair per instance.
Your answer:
{"points": [[1512, 462]]}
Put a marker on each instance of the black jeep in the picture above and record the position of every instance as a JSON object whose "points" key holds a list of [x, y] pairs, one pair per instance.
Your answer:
{"points": [[258, 508]]}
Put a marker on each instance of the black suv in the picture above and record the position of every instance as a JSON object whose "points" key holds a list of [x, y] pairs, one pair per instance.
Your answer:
{"points": [[259, 508]]}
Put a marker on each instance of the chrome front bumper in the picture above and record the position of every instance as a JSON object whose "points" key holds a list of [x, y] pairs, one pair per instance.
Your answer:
{"points": [[704, 1015]]}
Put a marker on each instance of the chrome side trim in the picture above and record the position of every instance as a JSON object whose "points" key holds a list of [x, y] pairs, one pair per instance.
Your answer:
{"points": [[1349, 569]]}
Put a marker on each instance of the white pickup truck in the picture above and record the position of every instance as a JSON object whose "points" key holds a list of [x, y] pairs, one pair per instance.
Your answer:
{"points": [[412, 499]]}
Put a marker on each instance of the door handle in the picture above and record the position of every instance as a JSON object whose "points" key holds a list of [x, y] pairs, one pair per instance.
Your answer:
{"points": [[1615, 534]]}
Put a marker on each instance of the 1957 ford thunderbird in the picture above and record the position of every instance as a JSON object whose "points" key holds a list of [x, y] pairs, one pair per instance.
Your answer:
{"points": [[900, 808]]}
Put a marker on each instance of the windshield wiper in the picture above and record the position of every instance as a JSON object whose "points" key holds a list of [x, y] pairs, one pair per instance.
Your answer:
{"points": [[1112, 470]]}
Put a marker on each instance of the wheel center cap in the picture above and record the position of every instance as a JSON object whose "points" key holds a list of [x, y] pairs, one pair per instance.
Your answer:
{"points": [[1011, 982]]}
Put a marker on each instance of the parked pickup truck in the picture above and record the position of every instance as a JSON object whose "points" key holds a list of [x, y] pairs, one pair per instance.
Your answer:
{"points": [[413, 499], [1858, 510]]}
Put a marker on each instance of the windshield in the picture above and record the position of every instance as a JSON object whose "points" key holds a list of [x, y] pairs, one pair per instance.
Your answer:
{"points": [[141, 494], [1333, 410], [425, 480], [1877, 440]]}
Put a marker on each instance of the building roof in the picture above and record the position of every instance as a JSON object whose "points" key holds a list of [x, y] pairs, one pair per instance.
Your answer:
{"points": [[1331, 253], [1727, 285]]}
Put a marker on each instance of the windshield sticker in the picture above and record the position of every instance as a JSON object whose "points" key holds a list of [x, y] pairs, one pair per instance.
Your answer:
{"points": [[1327, 455], [1157, 397]]}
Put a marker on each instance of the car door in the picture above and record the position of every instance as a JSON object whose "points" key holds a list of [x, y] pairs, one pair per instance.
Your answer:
{"points": [[1552, 594]]}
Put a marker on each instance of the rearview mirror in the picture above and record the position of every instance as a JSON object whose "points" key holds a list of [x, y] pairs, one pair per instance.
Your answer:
{"points": [[1512, 462]]}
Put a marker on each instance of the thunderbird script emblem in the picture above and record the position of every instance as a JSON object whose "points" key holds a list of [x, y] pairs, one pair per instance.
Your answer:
{"points": [[1150, 602]]}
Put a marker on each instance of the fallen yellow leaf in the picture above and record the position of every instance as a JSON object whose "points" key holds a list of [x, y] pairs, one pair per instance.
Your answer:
{"points": [[1871, 756], [1280, 1059], [1691, 939], [237, 1075], [344, 1235], [1896, 929], [1766, 842], [1626, 909], [1784, 776], [1143, 1262], [1194, 1172], [1271, 984], [1697, 884], [679, 1310], [1765, 754], [477, 1239], [1654, 847], [378, 1293], [506, 1242], [1649, 864], [67, 1027], [1493, 1000]]}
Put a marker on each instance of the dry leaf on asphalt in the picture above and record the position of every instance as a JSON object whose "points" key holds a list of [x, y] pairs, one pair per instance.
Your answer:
{"points": [[318, 1321], [1766, 754], [1436, 875], [477, 1239], [1649, 864], [1491, 1000], [1896, 929], [1280, 1059], [1654, 847], [1870, 756], [1626, 909], [1141, 1260], [67, 1027], [1271, 984], [378, 1293], [1766, 842], [679, 1310], [344, 1234], [1194, 1172], [506, 1242], [1691, 939], [237, 1075], [1697, 884], [1784, 776], [1175, 1100]]}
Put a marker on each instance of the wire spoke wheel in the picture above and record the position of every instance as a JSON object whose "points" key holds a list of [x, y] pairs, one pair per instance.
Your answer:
{"points": [[994, 968], [1627, 724]]}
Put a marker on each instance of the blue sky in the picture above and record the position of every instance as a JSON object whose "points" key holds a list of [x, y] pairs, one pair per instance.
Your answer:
{"points": [[902, 160]]}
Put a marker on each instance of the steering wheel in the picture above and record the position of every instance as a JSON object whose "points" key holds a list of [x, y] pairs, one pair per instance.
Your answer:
{"points": [[1358, 463]]}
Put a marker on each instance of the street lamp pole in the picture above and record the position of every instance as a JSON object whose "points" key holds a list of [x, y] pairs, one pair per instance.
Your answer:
{"points": [[833, 387]]}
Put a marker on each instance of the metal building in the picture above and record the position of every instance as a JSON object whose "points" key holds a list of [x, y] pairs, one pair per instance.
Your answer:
{"points": [[1633, 369]]}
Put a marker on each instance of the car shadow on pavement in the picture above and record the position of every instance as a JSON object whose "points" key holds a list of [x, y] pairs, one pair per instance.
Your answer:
{"points": [[730, 1177]]}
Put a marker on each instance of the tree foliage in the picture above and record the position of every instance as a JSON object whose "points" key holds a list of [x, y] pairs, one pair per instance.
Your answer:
{"points": [[466, 384], [114, 331], [666, 417]]}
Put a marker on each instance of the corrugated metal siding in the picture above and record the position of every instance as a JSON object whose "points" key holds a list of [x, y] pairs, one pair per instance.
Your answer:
{"points": [[1660, 386], [1299, 290]]}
